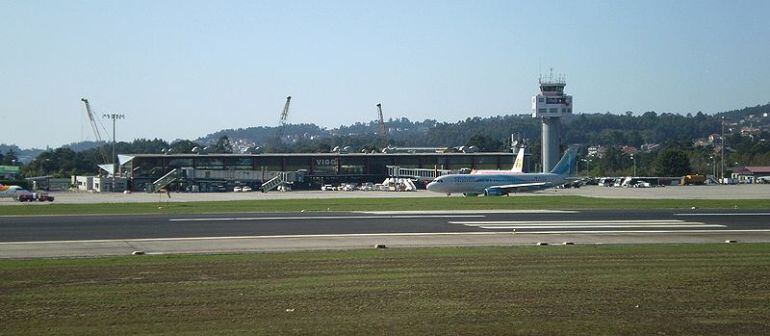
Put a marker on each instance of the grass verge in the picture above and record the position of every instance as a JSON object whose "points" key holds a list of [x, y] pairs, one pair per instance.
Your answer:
{"points": [[567, 290], [380, 204]]}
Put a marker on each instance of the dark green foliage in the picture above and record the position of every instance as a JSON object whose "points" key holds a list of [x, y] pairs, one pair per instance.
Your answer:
{"points": [[489, 134], [65, 162], [485, 143], [223, 146], [672, 162], [183, 146], [10, 158]]}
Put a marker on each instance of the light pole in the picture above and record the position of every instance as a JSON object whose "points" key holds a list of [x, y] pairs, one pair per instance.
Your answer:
{"points": [[586, 161], [114, 117], [713, 166], [722, 179], [634, 162]]}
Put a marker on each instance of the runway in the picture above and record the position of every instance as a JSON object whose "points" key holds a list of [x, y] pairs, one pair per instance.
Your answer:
{"points": [[52, 236]]}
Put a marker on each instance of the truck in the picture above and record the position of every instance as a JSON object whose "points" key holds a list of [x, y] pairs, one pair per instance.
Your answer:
{"points": [[36, 196], [693, 179]]}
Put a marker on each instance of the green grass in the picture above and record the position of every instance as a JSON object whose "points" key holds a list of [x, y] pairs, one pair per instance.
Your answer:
{"points": [[567, 290], [374, 204]]}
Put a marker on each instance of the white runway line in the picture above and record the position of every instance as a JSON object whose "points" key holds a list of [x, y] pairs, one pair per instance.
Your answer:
{"points": [[224, 219], [410, 212], [348, 235], [587, 224], [725, 214], [580, 222], [645, 231], [599, 226]]}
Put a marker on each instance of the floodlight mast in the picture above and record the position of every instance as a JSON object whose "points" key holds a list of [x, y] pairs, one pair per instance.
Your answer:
{"points": [[114, 118]]}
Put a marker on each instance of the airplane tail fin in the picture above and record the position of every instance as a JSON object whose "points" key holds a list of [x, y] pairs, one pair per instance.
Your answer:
{"points": [[567, 162], [518, 165]]}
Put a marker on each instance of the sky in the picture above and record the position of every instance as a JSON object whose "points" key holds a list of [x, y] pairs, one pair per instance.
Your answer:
{"points": [[184, 69]]}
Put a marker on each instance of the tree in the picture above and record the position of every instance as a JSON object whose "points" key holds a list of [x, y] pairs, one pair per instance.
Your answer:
{"points": [[672, 162], [183, 146], [223, 145], [10, 158], [485, 143]]}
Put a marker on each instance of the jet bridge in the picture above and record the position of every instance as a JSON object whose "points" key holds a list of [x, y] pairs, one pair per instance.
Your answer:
{"points": [[422, 174]]}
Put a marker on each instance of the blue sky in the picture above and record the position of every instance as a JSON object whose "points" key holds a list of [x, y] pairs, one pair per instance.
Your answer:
{"points": [[182, 69]]}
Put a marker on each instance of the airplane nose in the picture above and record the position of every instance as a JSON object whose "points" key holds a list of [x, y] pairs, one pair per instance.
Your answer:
{"points": [[432, 186]]}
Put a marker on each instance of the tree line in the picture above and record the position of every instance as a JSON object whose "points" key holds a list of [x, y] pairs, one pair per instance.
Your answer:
{"points": [[675, 133]]}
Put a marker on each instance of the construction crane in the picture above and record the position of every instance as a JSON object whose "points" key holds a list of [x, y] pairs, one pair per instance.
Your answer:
{"points": [[95, 125], [284, 115], [383, 128]]}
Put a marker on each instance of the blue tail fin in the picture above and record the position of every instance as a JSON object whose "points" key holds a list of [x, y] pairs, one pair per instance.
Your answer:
{"points": [[566, 164]]}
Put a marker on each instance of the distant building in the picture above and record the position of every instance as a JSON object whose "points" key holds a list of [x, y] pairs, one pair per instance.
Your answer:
{"points": [[750, 131], [629, 150], [750, 174], [597, 151], [220, 172], [10, 172], [649, 147], [701, 143]]}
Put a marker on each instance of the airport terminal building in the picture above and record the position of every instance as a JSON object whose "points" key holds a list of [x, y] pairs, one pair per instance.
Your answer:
{"points": [[221, 172]]}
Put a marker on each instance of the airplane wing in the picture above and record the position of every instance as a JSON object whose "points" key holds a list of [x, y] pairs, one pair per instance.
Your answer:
{"points": [[519, 186]]}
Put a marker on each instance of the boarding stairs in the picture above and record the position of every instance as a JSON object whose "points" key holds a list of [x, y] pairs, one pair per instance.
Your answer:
{"points": [[274, 182], [164, 181]]}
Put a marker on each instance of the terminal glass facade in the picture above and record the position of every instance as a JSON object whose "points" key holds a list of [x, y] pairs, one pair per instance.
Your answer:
{"points": [[236, 169]]}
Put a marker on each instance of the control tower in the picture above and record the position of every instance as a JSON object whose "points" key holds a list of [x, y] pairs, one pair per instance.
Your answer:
{"points": [[550, 105]]}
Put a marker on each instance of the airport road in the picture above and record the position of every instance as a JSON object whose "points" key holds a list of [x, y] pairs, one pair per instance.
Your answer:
{"points": [[51, 236]]}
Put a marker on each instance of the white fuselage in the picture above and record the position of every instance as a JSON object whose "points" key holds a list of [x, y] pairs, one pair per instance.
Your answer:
{"points": [[12, 191], [478, 183]]}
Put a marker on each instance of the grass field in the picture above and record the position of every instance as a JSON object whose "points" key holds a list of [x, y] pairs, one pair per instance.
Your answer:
{"points": [[567, 290], [379, 204]]}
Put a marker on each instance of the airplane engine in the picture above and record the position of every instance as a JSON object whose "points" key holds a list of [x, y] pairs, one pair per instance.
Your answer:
{"points": [[494, 192]]}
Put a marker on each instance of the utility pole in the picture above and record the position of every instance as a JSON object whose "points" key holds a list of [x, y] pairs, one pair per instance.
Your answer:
{"points": [[114, 118], [722, 179], [634, 161]]}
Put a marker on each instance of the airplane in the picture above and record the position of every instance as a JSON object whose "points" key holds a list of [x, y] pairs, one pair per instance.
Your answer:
{"points": [[12, 191], [518, 166], [505, 183]]}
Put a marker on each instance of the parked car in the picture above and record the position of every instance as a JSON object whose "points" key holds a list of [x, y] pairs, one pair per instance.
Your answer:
{"points": [[237, 189], [246, 189]]}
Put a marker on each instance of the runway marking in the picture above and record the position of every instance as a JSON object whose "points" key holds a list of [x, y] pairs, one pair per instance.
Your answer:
{"points": [[469, 212], [585, 224], [348, 235], [597, 226], [223, 219], [725, 214], [645, 231], [579, 222]]}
